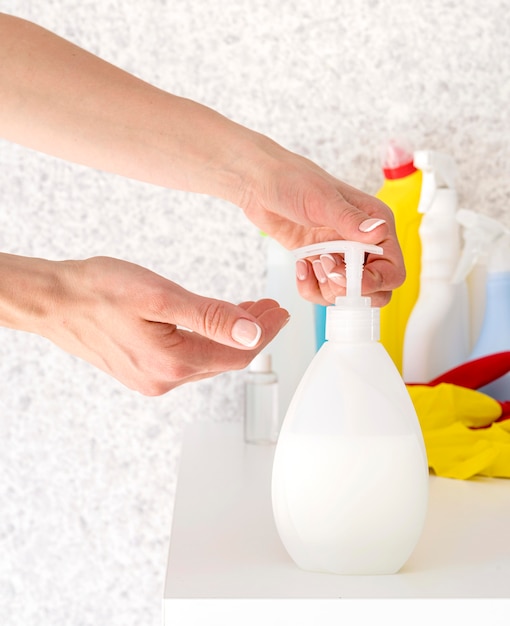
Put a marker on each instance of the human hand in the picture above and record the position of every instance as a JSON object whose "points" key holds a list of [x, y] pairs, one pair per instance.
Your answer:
{"points": [[297, 203], [128, 321]]}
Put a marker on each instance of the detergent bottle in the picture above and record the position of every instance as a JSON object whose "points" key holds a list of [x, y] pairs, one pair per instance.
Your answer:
{"points": [[350, 473], [401, 192], [436, 338], [479, 233], [495, 333]]}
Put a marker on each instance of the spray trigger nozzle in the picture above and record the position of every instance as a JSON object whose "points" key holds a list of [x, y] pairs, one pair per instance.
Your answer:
{"points": [[439, 172], [481, 234]]}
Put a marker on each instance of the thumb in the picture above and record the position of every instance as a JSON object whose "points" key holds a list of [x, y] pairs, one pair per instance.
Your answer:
{"points": [[353, 214], [370, 223], [245, 326]]}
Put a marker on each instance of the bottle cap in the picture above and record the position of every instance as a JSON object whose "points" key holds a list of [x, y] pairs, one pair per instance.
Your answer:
{"points": [[262, 363], [397, 160]]}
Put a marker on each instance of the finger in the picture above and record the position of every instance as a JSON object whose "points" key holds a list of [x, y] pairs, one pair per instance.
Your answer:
{"points": [[307, 283], [223, 322], [245, 305], [258, 307], [322, 280], [360, 217], [378, 274], [353, 214], [193, 356], [384, 272]]}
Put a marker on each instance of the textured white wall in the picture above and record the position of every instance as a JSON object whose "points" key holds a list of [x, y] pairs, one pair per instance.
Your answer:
{"points": [[88, 468]]}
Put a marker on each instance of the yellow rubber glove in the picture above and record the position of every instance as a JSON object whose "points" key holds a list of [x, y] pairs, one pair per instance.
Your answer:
{"points": [[462, 437]]}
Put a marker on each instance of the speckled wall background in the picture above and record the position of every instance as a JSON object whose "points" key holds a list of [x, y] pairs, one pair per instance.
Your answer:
{"points": [[88, 468]]}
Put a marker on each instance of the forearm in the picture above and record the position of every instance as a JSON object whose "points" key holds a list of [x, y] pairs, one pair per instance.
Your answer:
{"points": [[57, 98], [29, 289]]}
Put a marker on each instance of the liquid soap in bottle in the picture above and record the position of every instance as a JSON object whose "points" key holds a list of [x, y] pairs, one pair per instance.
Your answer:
{"points": [[350, 473]]}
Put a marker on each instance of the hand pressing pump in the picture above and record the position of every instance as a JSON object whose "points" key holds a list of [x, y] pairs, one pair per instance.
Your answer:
{"points": [[350, 473]]}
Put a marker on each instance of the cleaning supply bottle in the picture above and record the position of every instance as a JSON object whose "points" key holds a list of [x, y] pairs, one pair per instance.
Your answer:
{"points": [[401, 192], [261, 411], [320, 325], [350, 475], [495, 334], [436, 338], [479, 233], [298, 336]]}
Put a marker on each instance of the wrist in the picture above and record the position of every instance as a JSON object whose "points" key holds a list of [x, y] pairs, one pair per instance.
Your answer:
{"points": [[252, 163], [224, 158], [29, 291]]}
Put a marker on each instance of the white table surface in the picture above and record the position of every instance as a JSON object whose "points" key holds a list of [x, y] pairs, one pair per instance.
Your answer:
{"points": [[224, 543]]}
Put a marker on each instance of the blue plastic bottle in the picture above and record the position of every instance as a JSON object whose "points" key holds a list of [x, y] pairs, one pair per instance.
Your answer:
{"points": [[495, 333], [480, 232]]}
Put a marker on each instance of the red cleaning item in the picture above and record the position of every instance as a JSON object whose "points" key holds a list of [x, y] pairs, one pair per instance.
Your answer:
{"points": [[476, 373]]}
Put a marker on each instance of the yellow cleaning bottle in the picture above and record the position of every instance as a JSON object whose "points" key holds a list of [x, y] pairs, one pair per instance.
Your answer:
{"points": [[401, 192]]}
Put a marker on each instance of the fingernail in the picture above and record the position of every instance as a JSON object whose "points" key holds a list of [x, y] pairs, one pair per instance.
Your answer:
{"points": [[328, 262], [246, 333], [301, 269], [371, 224], [338, 279], [320, 274]]}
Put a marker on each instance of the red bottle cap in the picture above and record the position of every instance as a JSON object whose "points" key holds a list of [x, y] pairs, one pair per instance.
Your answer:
{"points": [[398, 162]]}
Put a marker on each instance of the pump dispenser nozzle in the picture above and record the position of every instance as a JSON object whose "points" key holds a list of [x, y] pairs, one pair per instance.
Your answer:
{"points": [[351, 318], [354, 255]]}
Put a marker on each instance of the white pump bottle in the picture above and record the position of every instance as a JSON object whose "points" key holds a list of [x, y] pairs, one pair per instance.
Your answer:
{"points": [[350, 474]]}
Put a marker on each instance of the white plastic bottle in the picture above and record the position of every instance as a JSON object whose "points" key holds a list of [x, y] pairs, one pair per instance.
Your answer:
{"points": [[437, 338], [350, 473], [261, 411], [298, 336]]}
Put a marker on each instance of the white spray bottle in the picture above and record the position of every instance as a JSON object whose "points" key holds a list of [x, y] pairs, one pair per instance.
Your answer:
{"points": [[480, 232], [437, 332], [350, 474]]}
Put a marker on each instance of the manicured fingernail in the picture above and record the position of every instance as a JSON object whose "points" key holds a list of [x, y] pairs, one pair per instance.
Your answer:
{"points": [[246, 333], [371, 224], [338, 279], [301, 269], [328, 262], [320, 274]]}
